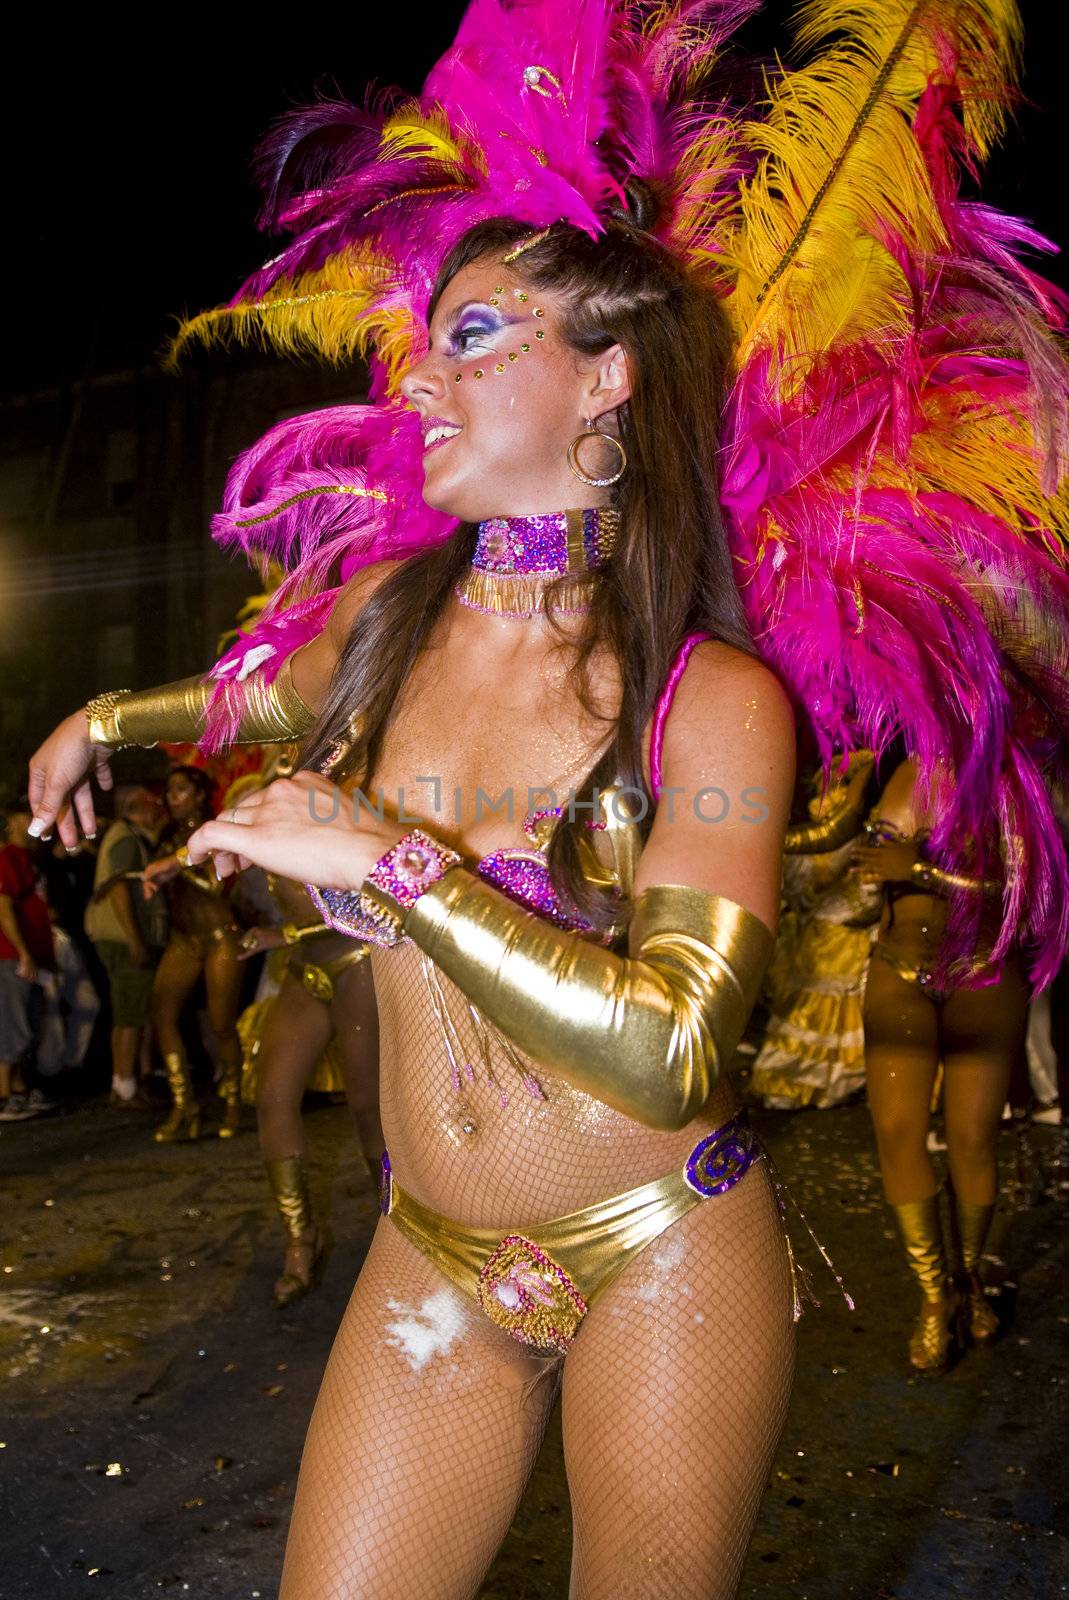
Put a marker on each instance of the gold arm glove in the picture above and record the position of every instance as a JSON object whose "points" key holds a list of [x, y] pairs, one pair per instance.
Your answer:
{"points": [[294, 934], [939, 881], [817, 838], [174, 713], [648, 1034]]}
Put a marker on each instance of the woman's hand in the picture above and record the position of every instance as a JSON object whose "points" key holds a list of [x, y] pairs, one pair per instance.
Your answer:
{"points": [[59, 790], [157, 873], [256, 940], [302, 827], [884, 863]]}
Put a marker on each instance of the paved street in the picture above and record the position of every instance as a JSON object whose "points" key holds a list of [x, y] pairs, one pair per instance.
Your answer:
{"points": [[154, 1401]]}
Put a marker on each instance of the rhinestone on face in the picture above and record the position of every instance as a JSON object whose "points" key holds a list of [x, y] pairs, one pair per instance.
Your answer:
{"points": [[513, 356], [458, 377], [500, 367], [525, 348], [478, 372], [538, 335]]}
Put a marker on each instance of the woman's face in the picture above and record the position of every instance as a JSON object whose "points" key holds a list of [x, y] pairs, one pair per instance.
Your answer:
{"points": [[501, 396], [183, 797]]}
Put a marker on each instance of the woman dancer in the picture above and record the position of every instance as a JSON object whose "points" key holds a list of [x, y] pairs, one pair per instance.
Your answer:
{"points": [[813, 1048], [203, 942], [539, 342], [326, 999], [911, 1024]]}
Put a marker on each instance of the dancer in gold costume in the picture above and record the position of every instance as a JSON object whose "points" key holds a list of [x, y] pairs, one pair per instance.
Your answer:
{"points": [[319, 1031], [910, 1027], [203, 943], [539, 1055], [560, 252], [812, 1051]]}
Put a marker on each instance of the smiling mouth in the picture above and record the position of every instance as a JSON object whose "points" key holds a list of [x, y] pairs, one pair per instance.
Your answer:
{"points": [[438, 435]]}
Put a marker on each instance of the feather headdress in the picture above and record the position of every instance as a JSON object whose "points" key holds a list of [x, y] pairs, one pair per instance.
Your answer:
{"points": [[896, 439]]}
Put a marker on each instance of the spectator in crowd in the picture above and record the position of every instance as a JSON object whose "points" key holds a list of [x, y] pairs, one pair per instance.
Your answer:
{"points": [[129, 932], [25, 951]]}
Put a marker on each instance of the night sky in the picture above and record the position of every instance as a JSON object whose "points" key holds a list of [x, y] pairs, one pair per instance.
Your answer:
{"points": [[129, 199]]}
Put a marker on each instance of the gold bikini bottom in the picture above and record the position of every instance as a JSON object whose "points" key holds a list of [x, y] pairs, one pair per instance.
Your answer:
{"points": [[921, 977], [318, 978], [204, 941], [538, 1283]]}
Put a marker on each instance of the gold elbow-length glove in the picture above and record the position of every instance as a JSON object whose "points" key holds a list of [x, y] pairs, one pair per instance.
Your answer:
{"points": [[174, 713], [818, 838], [648, 1033], [941, 882]]}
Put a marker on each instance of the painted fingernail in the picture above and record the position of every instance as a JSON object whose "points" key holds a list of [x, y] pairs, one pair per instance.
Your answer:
{"points": [[35, 828]]}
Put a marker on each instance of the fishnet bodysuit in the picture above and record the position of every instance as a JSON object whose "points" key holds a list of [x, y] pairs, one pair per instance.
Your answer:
{"points": [[429, 1418]]}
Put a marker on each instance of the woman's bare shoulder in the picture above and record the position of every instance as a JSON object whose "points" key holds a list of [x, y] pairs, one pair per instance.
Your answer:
{"points": [[725, 690], [356, 594]]}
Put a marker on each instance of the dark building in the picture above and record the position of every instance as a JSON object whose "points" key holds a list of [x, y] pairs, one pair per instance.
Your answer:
{"points": [[108, 575]]}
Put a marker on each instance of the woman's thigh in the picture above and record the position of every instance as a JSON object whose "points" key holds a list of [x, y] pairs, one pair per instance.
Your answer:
{"points": [[426, 1427], [296, 1033], [223, 973], [902, 1047], [675, 1394], [174, 981]]}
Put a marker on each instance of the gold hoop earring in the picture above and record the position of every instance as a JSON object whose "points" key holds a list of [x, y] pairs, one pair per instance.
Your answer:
{"points": [[576, 469]]}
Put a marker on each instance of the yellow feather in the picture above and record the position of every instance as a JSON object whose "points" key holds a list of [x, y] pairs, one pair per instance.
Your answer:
{"points": [[837, 164], [337, 314], [411, 132]]}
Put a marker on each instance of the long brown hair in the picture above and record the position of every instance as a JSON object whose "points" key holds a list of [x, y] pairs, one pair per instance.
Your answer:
{"points": [[671, 569]]}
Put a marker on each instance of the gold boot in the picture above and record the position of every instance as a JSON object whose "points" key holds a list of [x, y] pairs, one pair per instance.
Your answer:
{"points": [[974, 1221], [935, 1336], [289, 1185], [230, 1094], [184, 1119]]}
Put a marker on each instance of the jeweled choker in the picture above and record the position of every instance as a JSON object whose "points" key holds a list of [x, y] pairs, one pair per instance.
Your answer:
{"points": [[516, 558]]}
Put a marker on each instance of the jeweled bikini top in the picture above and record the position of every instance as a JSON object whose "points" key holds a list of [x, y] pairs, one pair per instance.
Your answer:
{"points": [[516, 557]]}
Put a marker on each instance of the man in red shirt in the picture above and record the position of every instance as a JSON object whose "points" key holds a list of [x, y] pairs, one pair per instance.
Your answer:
{"points": [[25, 947]]}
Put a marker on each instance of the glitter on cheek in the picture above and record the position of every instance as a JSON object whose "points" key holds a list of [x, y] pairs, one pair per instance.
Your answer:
{"points": [[431, 1329]]}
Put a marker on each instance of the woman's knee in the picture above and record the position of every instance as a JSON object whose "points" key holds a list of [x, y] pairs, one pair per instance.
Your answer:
{"points": [[900, 1129], [972, 1142]]}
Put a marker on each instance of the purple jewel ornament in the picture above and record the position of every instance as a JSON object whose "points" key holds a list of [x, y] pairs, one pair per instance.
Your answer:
{"points": [[722, 1158]]}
